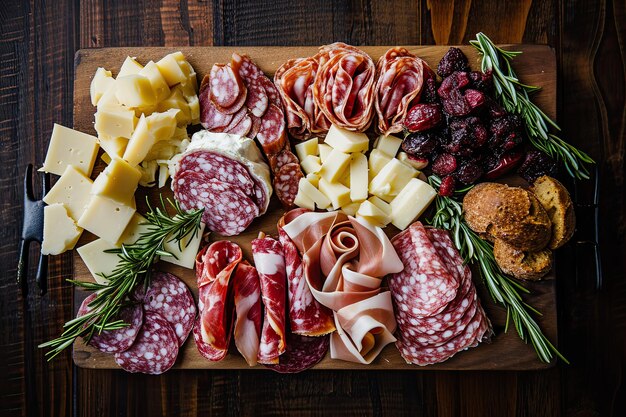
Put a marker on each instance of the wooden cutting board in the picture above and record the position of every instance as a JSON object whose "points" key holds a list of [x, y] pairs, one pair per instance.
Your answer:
{"points": [[536, 66]]}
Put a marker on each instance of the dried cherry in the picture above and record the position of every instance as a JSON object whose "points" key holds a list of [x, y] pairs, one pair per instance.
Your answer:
{"points": [[422, 117], [453, 60]]}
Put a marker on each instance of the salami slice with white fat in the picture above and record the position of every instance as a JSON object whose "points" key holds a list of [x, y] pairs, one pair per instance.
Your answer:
{"points": [[155, 349], [211, 118], [242, 128], [286, 181], [302, 353], [170, 297], [272, 135], [237, 117], [282, 158], [257, 101], [227, 89], [112, 341]]}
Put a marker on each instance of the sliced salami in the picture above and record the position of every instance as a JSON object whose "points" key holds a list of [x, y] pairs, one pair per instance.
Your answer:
{"points": [[256, 126], [237, 117], [286, 181], [302, 353], [211, 118], [170, 297], [257, 101], [272, 135], [247, 69], [155, 349], [112, 341], [243, 127], [282, 158], [271, 91], [226, 87]]}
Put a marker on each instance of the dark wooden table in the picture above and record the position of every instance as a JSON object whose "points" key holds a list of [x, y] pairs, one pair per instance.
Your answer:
{"points": [[37, 44]]}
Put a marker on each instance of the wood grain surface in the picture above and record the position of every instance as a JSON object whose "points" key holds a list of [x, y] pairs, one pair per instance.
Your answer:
{"points": [[537, 66], [37, 44]]}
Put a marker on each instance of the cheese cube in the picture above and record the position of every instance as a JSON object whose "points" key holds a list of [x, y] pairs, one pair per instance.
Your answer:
{"points": [[377, 160], [388, 145], [134, 91], [338, 194], [116, 122], [130, 67], [109, 99], [185, 254], [194, 109], [324, 151], [106, 218], [164, 173], [313, 179], [70, 147], [351, 209], [304, 201], [373, 214], [334, 166], [101, 83], [159, 85], [311, 164], [382, 205], [105, 158], [306, 148], [308, 189], [139, 144], [118, 181], [170, 69], [411, 202], [358, 177], [346, 141], [176, 100], [113, 146], [345, 178], [72, 190], [162, 125], [391, 179], [60, 232], [417, 163]]}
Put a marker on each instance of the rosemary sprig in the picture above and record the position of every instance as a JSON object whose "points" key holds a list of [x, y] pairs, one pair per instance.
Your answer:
{"points": [[133, 268], [503, 289], [515, 97]]}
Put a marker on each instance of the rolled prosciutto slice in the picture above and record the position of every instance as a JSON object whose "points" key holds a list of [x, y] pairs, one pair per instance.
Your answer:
{"points": [[400, 76], [344, 86], [247, 294]]}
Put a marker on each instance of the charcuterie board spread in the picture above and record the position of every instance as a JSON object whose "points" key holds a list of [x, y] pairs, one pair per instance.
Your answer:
{"points": [[309, 174]]}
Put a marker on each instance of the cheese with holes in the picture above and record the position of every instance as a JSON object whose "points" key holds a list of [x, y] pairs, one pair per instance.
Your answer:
{"points": [[139, 144], [60, 232], [388, 145], [70, 147], [159, 85], [101, 83], [134, 91], [309, 190], [306, 148], [311, 164], [346, 141], [130, 66], [171, 70], [391, 179], [335, 165], [185, 254], [358, 177], [324, 151], [337, 193], [114, 146], [116, 122], [373, 214], [72, 190], [377, 160], [412, 200], [107, 218], [118, 181]]}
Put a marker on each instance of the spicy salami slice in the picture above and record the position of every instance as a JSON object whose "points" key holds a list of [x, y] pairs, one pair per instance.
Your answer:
{"points": [[112, 341], [272, 136], [226, 87], [302, 353], [284, 157], [170, 297], [286, 181], [155, 349]]}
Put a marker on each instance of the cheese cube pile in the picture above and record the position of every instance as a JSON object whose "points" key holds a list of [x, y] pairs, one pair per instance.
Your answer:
{"points": [[382, 189]]}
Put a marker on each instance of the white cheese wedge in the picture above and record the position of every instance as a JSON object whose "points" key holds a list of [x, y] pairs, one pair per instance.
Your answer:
{"points": [[351, 209], [134, 91], [310, 191], [176, 100], [311, 164], [101, 83], [189, 245], [411, 202], [162, 125], [306, 148], [114, 146], [139, 144], [304, 201], [118, 181], [391, 179], [72, 190], [130, 66], [346, 141], [389, 145], [382, 205], [377, 160], [373, 214], [171, 70], [106, 218], [358, 177], [338, 194], [60, 232], [116, 122], [324, 151], [108, 99], [335, 165], [159, 85], [70, 147], [313, 179]]}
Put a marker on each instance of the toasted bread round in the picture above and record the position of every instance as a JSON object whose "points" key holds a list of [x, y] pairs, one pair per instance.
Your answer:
{"points": [[520, 264], [555, 199], [513, 214]]}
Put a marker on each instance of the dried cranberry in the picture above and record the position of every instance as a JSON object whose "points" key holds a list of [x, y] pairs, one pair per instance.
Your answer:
{"points": [[453, 60], [429, 92], [480, 135], [474, 98], [502, 126], [511, 141], [456, 105], [469, 132], [535, 165], [494, 110], [422, 117], [452, 83], [420, 143], [446, 188], [503, 164], [482, 81], [468, 173], [444, 164]]}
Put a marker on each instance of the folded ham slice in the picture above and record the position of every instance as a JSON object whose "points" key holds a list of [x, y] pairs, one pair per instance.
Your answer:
{"points": [[247, 295]]}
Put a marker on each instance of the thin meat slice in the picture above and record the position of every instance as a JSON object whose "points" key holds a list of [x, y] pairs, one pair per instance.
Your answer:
{"points": [[272, 135], [211, 118], [247, 297], [256, 126], [216, 260], [237, 117], [170, 297], [242, 128], [155, 349], [257, 101], [302, 353], [286, 181], [226, 87], [282, 158], [113, 341], [270, 264]]}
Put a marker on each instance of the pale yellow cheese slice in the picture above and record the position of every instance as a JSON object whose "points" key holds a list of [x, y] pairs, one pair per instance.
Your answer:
{"points": [[118, 181], [72, 190], [157, 81], [60, 232], [308, 189], [358, 177], [70, 147], [134, 91], [324, 150], [311, 164], [412, 200], [389, 145], [116, 122], [377, 160], [335, 165], [114, 146], [171, 70], [185, 254], [391, 179], [346, 141], [101, 83], [106, 218], [130, 66], [306, 148], [337, 193]]}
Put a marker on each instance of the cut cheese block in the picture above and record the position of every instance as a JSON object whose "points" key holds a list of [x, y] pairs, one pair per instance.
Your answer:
{"points": [[114, 146], [116, 122], [162, 125], [130, 67], [358, 177], [382, 205], [414, 198], [335, 165], [164, 173], [306, 148], [313, 179], [118, 181], [351, 209], [101, 83], [194, 109], [106, 218], [176, 100], [373, 214], [304, 201], [388, 145], [171, 70], [377, 160], [391, 179], [185, 253], [309, 190], [139, 144], [60, 232], [311, 164], [346, 141], [70, 147], [324, 151], [157, 81], [72, 190], [105, 158], [338, 194], [108, 99], [134, 91]]}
